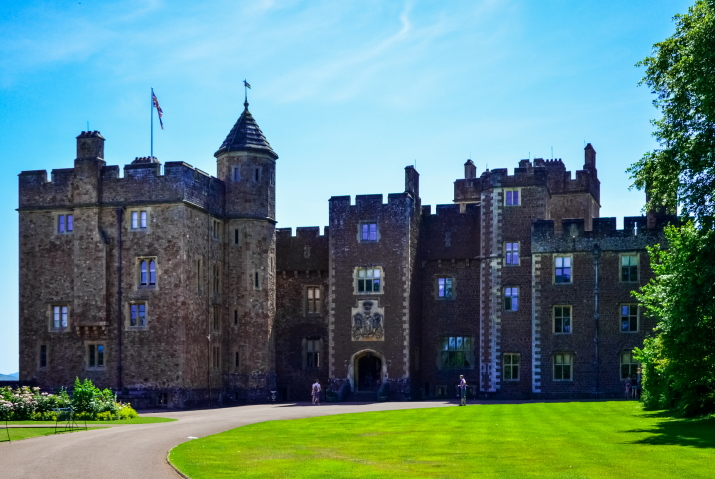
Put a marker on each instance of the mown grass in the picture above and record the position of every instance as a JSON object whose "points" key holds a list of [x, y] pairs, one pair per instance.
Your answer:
{"points": [[18, 433], [557, 440]]}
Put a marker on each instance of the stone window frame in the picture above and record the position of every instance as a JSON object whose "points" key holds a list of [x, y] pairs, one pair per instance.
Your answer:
{"points": [[629, 317], [511, 301], [312, 305], [509, 198], [139, 267], [312, 348], [361, 231], [629, 273], [216, 318], [509, 255], [449, 353], [380, 278], [130, 308], [563, 268], [43, 356], [236, 173], [565, 365], [63, 220], [216, 278], [256, 280], [511, 366], [257, 174], [215, 357], [139, 221], [97, 351], [565, 328], [442, 293], [52, 309], [628, 368], [215, 229]]}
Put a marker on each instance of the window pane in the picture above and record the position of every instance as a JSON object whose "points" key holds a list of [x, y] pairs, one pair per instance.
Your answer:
{"points": [[135, 220], [143, 267], [70, 222], [143, 219], [152, 272], [100, 355], [61, 223], [452, 342]]}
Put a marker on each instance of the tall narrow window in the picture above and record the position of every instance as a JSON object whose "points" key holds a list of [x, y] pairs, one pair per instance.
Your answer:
{"points": [[137, 314], [368, 280], [236, 174], [562, 269], [43, 355], [511, 367], [629, 268], [511, 299], [562, 319], [235, 236], [256, 282], [562, 367], [312, 301], [216, 279], [237, 360], [444, 288], [217, 318], [512, 253], [216, 357], [235, 317]]}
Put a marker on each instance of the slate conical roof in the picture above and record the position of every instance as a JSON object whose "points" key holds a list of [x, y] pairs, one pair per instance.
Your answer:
{"points": [[246, 136]]}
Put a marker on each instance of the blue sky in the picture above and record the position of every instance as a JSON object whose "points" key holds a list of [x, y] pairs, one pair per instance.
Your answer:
{"points": [[347, 92]]}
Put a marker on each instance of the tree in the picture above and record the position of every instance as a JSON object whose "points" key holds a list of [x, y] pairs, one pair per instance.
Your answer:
{"points": [[681, 74], [679, 361]]}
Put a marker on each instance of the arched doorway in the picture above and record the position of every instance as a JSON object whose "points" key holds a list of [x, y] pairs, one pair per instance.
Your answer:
{"points": [[368, 372]]}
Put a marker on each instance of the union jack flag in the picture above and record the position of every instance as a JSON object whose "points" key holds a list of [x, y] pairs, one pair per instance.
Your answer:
{"points": [[158, 108]]}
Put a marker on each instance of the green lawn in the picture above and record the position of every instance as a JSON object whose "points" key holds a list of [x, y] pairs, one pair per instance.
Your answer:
{"points": [[17, 433], [613, 439]]}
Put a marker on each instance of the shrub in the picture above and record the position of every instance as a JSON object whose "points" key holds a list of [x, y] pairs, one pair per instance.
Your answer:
{"points": [[126, 411]]}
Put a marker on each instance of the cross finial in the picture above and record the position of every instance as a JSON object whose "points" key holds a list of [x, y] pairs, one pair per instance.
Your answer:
{"points": [[246, 87]]}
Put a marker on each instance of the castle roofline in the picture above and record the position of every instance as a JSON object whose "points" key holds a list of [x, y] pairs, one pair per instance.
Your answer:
{"points": [[246, 136]]}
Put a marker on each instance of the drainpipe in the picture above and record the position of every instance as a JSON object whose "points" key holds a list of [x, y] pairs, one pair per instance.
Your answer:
{"points": [[120, 217], [596, 258]]}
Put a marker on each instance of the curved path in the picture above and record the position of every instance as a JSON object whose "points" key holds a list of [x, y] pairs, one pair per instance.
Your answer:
{"points": [[140, 450]]}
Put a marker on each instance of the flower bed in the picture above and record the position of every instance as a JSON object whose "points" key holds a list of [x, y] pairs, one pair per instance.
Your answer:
{"points": [[87, 401]]}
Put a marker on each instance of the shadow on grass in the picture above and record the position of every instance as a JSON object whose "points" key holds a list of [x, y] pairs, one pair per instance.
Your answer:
{"points": [[679, 432]]}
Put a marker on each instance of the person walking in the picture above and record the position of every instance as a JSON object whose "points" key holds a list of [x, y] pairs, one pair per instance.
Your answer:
{"points": [[315, 392], [462, 390]]}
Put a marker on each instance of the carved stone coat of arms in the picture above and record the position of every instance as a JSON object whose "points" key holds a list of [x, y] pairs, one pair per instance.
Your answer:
{"points": [[368, 321]]}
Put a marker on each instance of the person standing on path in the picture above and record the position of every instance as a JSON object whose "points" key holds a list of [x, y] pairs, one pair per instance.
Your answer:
{"points": [[315, 392], [462, 390]]}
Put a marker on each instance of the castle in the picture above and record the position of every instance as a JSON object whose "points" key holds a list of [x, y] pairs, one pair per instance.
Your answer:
{"points": [[177, 289]]}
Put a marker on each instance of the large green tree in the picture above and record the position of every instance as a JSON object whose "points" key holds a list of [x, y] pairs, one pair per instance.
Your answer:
{"points": [[679, 361]]}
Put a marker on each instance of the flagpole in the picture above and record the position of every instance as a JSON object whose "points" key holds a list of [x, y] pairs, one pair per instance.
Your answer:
{"points": [[151, 115]]}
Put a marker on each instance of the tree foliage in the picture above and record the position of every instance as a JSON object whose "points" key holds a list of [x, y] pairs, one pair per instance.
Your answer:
{"points": [[679, 361], [681, 75]]}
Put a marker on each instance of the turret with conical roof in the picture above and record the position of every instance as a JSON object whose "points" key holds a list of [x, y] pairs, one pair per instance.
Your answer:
{"points": [[247, 166]]}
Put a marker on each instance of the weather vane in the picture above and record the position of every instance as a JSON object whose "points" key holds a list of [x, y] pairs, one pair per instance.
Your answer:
{"points": [[246, 87]]}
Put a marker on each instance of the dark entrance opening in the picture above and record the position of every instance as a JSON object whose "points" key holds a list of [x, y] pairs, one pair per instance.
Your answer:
{"points": [[369, 372]]}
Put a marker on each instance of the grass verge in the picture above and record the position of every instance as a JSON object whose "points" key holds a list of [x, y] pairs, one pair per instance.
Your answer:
{"points": [[138, 420], [555, 440], [18, 433]]}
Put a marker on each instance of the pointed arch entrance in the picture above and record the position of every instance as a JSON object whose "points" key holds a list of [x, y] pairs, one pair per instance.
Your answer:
{"points": [[368, 370]]}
